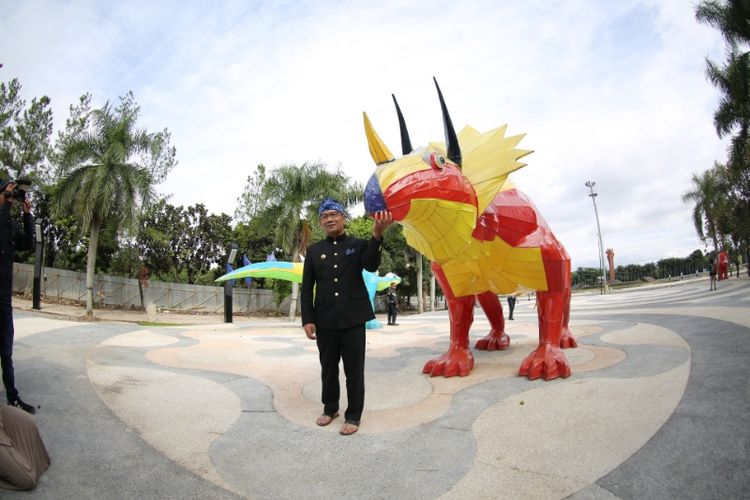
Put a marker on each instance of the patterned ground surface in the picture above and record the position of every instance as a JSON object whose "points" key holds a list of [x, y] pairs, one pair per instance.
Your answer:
{"points": [[657, 407]]}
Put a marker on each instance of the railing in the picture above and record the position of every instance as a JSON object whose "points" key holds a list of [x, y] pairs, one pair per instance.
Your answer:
{"points": [[117, 292]]}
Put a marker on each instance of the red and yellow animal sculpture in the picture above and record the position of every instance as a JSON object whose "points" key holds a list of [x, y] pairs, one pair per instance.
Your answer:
{"points": [[483, 236], [723, 265]]}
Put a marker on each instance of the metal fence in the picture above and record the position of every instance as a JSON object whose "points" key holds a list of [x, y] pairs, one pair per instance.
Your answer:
{"points": [[116, 292]]}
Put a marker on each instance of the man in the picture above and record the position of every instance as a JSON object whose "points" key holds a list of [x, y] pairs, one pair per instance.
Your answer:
{"points": [[511, 306], [12, 238], [335, 314], [391, 300], [712, 272]]}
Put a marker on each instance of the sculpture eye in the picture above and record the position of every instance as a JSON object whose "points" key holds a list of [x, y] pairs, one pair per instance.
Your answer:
{"points": [[438, 162]]}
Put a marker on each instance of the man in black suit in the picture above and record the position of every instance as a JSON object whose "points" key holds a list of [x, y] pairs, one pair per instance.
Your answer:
{"points": [[336, 306], [12, 238]]}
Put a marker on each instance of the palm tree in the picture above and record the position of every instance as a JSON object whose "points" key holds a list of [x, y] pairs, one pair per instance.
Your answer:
{"points": [[293, 194], [101, 182], [732, 19], [709, 202], [728, 16], [733, 113]]}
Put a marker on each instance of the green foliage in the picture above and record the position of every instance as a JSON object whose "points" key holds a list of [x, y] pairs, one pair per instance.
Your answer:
{"points": [[253, 240], [294, 194], [184, 244], [107, 168], [731, 219], [281, 290], [586, 276], [24, 134], [360, 227], [710, 204], [251, 201]]}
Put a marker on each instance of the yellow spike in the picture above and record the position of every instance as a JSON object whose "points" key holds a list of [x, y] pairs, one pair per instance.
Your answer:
{"points": [[378, 150]]}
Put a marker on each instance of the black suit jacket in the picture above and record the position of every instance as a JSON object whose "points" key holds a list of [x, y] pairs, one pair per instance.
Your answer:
{"points": [[12, 238], [333, 268]]}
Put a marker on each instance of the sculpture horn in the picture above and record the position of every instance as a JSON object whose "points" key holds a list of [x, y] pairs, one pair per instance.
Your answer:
{"points": [[405, 141], [453, 150], [378, 150]]}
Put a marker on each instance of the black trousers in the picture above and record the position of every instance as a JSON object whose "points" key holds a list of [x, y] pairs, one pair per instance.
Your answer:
{"points": [[347, 345], [392, 314], [6, 351]]}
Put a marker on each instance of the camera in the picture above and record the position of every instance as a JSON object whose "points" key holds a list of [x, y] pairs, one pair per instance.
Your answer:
{"points": [[19, 191]]}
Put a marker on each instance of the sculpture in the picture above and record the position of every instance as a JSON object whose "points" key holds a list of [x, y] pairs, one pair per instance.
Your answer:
{"points": [[483, 236], [611, 261], [292, 271], [723, 265]]}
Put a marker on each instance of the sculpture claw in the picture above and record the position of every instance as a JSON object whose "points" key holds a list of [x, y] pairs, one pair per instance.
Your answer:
{"points": [[494, 341], [454, 362], [567, 340], [547, 362]]}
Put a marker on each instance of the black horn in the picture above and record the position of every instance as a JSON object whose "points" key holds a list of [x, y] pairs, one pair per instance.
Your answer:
{"points": [[452, 148], [405, 141]]}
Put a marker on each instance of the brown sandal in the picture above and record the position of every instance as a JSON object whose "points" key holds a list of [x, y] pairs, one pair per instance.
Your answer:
{"points": [[325, 419], [349, 428]]}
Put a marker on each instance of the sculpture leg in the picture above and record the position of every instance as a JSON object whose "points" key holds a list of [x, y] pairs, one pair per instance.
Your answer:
{"points": [[566, 336], [458, 360], [547, 360], [497, 339]]}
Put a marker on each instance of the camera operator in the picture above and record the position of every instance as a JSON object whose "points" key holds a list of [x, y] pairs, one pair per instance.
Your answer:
{"points": [[12, 238]]}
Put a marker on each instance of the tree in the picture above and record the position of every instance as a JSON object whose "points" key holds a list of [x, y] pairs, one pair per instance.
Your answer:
{"points": [[107, 171], [294, 193], [24, 133], [205, 244], [731, 18], [251, 201], [708, 203], [184, 245], [728, 16], [733, 112]]}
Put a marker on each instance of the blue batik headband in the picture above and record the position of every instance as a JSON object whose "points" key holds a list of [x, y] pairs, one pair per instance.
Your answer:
{"points": [[329, 204]]}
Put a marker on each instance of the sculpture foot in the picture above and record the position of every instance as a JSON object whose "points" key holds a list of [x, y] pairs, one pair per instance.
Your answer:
{"points": [[547, 362], [567, 340], [494, 341], [454, 362]]}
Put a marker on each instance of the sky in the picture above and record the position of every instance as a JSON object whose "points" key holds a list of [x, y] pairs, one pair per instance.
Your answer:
{"points": [[610, 92]]}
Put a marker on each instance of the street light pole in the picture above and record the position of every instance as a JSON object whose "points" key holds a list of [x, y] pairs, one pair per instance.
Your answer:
{"points": [[228, 286], [36, 290], [593, 195]]}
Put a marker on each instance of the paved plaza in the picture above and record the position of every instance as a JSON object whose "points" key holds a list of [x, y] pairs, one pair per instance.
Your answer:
{"points": [[658, 406]]}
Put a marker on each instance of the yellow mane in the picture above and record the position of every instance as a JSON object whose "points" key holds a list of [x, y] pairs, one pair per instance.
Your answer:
{"points": [[488, 158]]}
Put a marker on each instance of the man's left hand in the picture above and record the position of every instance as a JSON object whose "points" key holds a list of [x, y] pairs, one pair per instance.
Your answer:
{"points": [[383, 220]]}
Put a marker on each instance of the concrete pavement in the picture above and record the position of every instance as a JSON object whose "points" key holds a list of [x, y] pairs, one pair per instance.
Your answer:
{"points": [[658, 406]]}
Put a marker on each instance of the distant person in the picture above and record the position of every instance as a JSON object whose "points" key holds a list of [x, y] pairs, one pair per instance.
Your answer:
{"points": [[12, 238], [392, 303], [335, 314], [511, 306], [712, 272], [23, 457]]}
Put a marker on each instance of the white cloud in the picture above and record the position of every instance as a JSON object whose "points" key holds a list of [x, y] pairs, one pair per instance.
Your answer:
{"points": [[612, 92]]}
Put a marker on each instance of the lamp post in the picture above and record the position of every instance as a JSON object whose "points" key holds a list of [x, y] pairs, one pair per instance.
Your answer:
{"points": [[593, 195], [228, 286], [37, 286]]}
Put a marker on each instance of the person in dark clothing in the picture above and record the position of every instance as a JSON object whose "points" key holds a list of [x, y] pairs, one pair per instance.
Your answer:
{"points": [[511, 305], [12, 238], [712, 272], [392, 300], [336, 306]]}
